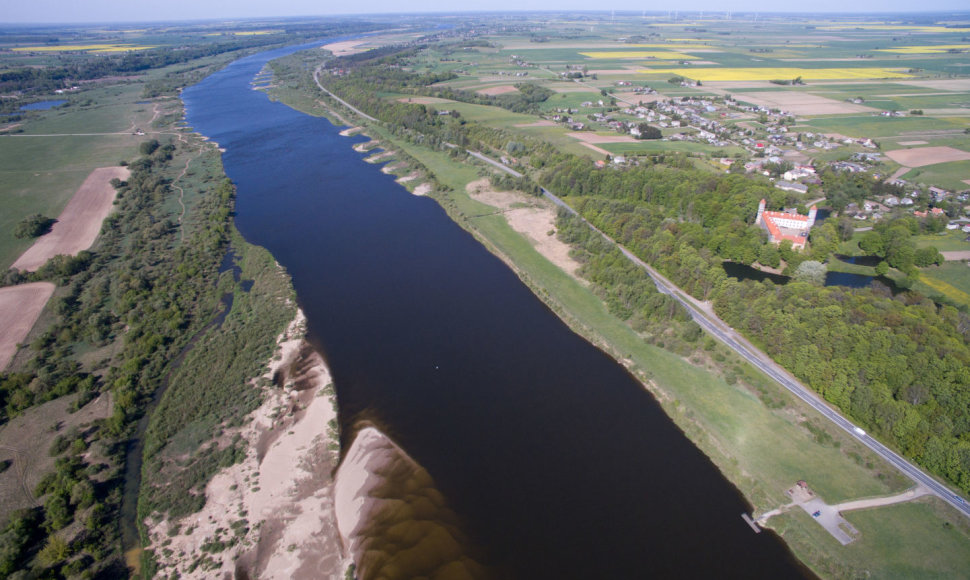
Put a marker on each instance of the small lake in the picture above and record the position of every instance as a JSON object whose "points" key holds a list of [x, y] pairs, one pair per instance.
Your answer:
{"points": [[42, 105]]}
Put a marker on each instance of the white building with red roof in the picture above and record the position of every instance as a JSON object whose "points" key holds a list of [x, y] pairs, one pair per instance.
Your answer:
{"points": [[786, 226]]}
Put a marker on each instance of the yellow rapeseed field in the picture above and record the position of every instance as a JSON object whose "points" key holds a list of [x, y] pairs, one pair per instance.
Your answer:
{"points": [[244, 33], [946, 289], [938, 49], [673, 46], [82, 47], [780, 73], [622, 54]]}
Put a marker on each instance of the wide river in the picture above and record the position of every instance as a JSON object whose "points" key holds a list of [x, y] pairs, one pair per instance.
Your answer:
{"points": [[557, 461]]}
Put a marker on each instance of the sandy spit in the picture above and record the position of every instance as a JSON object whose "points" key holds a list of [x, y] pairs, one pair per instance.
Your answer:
{"points": [[395, 523], [274, 510]]}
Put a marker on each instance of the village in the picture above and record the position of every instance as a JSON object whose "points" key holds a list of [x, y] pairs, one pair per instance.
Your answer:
{"points": [[772, 145]]}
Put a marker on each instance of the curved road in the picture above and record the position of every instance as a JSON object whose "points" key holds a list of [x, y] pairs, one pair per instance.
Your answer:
{"points": [[727, 335]]}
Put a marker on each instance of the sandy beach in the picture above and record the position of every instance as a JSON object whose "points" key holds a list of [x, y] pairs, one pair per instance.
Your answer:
{"points": [[274, 510]]}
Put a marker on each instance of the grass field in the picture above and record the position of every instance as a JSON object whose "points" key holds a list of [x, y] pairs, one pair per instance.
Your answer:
{"points": [[948, 175], [875, 126], [656, 146], [770, 73], [40, 173], [952, 280]]}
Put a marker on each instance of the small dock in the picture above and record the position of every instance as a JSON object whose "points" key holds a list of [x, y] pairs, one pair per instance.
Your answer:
{"points": [[754, 526]]}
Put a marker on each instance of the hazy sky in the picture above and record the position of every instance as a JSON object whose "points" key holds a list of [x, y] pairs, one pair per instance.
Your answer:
{"points": [[67, 11]]}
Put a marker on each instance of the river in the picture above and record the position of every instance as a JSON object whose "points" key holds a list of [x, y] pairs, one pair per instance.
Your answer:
{"points": [[557, 461]]}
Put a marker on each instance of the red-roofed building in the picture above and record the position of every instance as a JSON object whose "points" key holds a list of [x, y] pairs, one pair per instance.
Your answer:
{"points": [[786, 226]]}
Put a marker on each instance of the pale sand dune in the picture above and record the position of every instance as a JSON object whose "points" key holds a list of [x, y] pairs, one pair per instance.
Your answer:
{"points": [[79, 224], [284, 485], [346, 47], [19, 308]]}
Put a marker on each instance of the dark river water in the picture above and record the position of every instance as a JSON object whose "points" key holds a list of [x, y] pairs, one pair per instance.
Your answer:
{"points": [[558, 463]]}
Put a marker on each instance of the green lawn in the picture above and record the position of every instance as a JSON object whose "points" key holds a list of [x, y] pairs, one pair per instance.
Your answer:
{"points": [[949, 175], [875, 126], [945, 241], [657, 146], [918, 540]]}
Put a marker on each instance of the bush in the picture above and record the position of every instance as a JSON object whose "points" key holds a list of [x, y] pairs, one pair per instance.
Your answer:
{"points": [[33, 226]]}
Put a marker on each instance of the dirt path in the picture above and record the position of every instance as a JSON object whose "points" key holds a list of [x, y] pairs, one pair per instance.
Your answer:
{"points": [[899, 173], [79, 224], [859, 504], [956, 255], [19, 308]]}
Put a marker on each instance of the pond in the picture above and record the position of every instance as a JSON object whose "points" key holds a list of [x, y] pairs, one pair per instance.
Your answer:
{"points": [[742, 272], [42, 105]]}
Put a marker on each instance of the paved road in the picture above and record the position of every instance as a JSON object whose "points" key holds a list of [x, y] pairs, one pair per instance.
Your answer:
{"points": [[721, 331]]}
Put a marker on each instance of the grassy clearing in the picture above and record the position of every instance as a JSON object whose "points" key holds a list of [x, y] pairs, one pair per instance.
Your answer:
{"points": [[947, 241], [662, 146], [951, 280], [949, 175], [918, 540], [875, 126]]}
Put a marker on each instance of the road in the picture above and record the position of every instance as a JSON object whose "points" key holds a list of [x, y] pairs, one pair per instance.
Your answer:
{"points": [[714, 326]]}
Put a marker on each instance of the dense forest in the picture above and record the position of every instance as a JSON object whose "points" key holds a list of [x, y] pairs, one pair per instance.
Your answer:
{"points": [[896, 364]]}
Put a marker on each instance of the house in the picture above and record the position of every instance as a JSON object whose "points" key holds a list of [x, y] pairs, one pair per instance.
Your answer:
{"points": [[786, 226], [789, 186], [938, 193]]}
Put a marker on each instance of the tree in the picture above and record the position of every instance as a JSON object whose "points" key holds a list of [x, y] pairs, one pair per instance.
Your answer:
{"points": [[54, 552], [846, 228], [927, 257], [648, 131], [882, 268], [33, 226], [148, 147], [811, 271]]}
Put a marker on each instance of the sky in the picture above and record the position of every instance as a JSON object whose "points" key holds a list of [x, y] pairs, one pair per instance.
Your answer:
{"points": [[87, 11]]}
